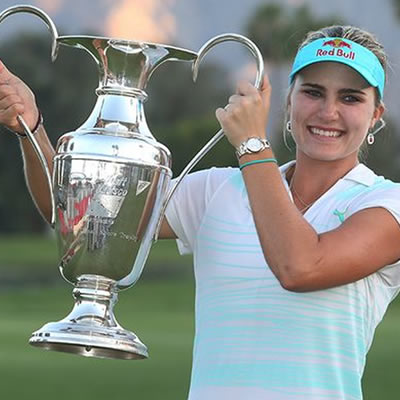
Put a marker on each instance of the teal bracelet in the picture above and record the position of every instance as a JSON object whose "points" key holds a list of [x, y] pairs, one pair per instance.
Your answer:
{"points": [[264, 160]]}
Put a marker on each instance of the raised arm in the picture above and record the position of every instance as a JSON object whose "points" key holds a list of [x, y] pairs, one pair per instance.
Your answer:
{"points": [[300, 258], [17, 99]]}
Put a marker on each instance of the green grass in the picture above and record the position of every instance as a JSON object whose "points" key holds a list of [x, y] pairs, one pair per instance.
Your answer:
{"points": [[30, 256], [160, 314], [159, 309], [382, 371], [22, 251]]}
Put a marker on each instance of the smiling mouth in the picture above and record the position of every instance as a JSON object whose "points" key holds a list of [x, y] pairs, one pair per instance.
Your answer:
{"points": [[329, 133]]}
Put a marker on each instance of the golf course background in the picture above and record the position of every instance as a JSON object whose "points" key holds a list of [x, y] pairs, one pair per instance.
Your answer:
{"points": [[159, 309]]}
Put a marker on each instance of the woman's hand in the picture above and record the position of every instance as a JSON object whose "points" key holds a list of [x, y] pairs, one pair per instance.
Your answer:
{"points": [[246, 114], [16, 99]]}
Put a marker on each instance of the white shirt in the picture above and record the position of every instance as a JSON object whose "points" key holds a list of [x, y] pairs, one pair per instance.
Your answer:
{"points": [[254, 339]]}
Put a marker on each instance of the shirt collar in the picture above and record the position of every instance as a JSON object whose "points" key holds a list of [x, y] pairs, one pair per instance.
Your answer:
{"points": [[359, 174]]}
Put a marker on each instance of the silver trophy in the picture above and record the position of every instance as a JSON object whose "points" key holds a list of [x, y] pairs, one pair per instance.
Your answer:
{"points": [[110, 187]]}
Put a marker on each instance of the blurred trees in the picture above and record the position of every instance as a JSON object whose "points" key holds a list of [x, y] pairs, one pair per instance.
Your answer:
{"points": [[180, 113], [64, 93], [382, 156], [279, 30], [396, 4]]}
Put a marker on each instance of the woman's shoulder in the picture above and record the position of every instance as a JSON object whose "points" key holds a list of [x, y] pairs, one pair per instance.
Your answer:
{"points": [[382, 185], [372, 181], [375, 190]]}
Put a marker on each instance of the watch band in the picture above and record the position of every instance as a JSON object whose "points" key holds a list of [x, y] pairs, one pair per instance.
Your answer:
{"points": [[252, 145]]}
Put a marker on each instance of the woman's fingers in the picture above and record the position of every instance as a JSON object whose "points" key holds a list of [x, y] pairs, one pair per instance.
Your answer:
{"points": [[16, 99]]}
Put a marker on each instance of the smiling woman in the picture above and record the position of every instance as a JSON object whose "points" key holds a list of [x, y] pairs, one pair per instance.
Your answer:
{"points": [[288, 291], [331, 107]]}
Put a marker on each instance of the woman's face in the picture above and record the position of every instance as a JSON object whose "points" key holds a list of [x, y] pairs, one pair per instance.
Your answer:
{"points": [[331, 108]]}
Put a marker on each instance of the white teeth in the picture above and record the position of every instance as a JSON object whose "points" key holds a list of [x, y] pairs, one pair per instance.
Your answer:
{"points": [[322, 132]]}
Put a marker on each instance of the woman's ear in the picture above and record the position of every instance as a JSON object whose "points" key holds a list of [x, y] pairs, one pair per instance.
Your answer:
{"points": [[289, 99], [288, 103], [378, 113]]}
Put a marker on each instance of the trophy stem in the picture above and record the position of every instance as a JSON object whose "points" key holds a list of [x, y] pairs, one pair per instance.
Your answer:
{"points": [[91, 329]]}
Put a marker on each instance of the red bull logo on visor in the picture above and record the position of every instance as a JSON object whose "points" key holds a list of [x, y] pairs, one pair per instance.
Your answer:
{"points": [[337, 49], [337, 43]]}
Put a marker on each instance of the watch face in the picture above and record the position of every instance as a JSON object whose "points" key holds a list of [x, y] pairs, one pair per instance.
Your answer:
{"points": [[254, 144]]}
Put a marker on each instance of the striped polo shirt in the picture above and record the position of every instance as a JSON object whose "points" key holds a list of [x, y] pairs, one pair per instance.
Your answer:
{"points": [[254, 339]]}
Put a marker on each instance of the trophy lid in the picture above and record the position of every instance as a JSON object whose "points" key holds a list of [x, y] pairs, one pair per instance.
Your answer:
{"points": [[126, 64]]}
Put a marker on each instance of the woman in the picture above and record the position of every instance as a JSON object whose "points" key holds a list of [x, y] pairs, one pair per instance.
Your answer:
{"points": [[295, 266]]}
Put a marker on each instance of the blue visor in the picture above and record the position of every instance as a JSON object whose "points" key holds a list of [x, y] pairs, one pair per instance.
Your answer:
{"points": [[343, 51]]}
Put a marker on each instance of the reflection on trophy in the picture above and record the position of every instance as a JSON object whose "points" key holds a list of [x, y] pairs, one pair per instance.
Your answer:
{"points": [[110, 186]]}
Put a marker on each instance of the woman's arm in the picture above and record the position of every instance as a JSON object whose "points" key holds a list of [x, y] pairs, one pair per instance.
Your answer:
{"points": [[17, 99], [301, 259], [166, 231], [34, 174]]}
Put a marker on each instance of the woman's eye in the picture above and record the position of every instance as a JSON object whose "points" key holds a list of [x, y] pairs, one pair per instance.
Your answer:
{"points": [[351, 99], [313, 93]]}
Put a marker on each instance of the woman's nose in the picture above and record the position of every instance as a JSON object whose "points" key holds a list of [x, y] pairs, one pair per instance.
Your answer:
{"points": [[329, 109]]}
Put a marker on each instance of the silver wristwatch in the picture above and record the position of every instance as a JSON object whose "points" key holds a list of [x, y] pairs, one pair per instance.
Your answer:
{"points": [[252, 145]]}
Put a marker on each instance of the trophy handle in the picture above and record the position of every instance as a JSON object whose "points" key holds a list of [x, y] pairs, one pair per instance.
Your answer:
{"points": [[233, 37], [54, 50], [43, 16]]}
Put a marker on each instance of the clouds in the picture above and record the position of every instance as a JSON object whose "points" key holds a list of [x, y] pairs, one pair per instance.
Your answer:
{"points": [[151, 20], [51, 6]]}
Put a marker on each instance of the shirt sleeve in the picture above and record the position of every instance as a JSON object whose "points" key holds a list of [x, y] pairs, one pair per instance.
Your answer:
{"points": [[387, 196], [188, 204]]}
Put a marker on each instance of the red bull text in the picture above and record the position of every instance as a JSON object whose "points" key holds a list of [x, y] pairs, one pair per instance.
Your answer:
{"points": [[336, 52], [337, 49]]}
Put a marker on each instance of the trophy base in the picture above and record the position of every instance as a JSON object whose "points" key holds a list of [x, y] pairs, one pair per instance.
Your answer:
{"points": [[89, 341], [90, 329]]}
